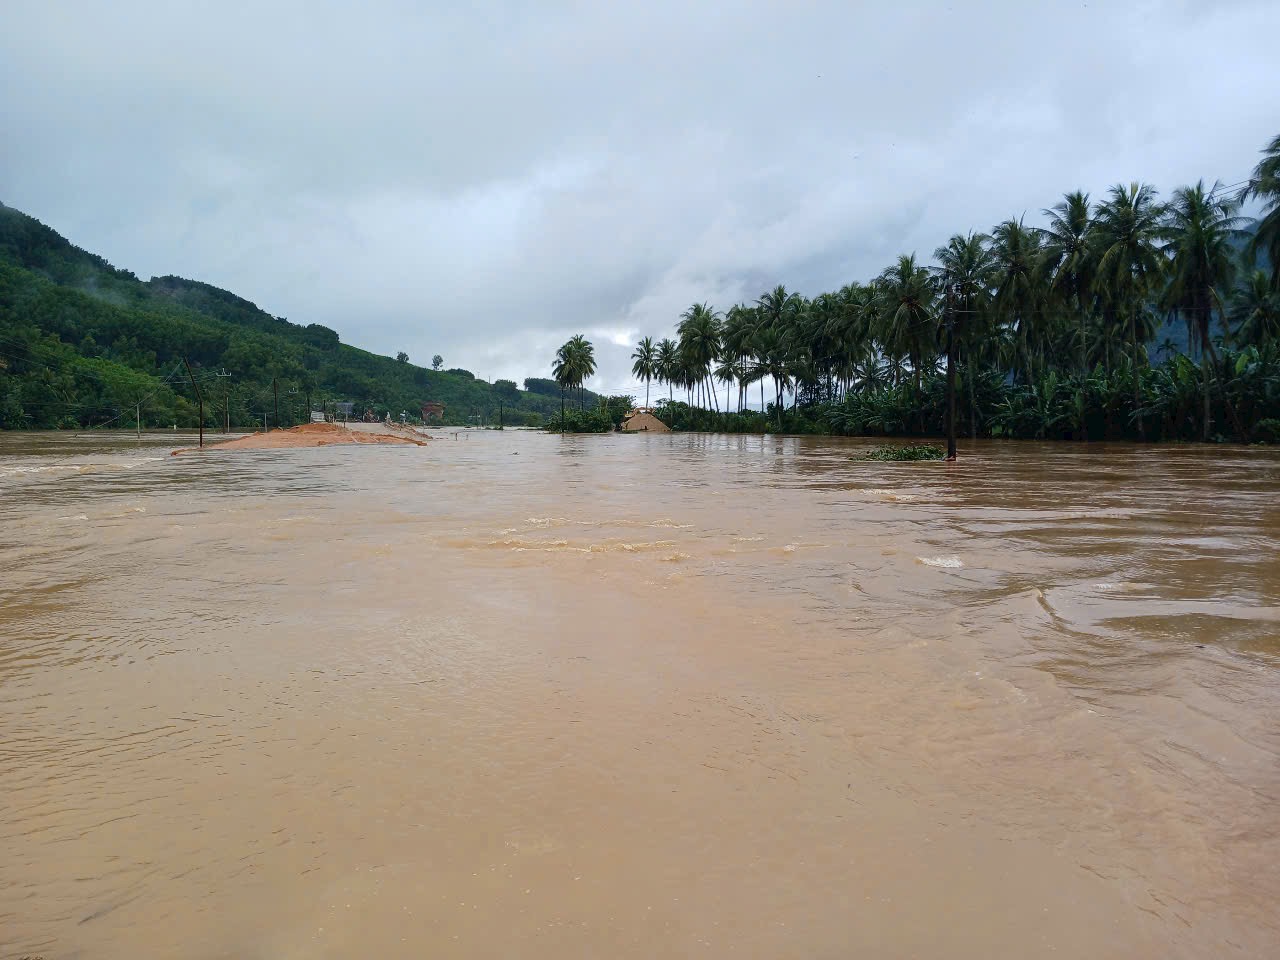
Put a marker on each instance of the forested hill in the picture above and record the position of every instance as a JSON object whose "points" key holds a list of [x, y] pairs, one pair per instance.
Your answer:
{"points": [[82, 343]]}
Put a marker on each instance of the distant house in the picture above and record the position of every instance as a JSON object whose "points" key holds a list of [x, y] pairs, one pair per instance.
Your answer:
{"points": [[432, 409]]}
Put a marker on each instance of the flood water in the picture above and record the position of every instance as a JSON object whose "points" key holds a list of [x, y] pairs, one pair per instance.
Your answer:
{"points": [[522, 695]]}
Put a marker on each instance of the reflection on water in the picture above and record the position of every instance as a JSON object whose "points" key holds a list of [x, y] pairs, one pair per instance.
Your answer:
{"points": [[518, 694]]}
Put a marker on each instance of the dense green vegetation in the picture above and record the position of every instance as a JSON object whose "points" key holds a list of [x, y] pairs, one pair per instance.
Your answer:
{"points": [[85, 344], [924, 451], [607, 415], [574, 362], [1125, 318]]}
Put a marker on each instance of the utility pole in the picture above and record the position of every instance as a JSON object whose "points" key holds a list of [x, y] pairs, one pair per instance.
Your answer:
{"points": [[226, 400], [950, 309], [138, 421], [275, 388], [199, 396]]}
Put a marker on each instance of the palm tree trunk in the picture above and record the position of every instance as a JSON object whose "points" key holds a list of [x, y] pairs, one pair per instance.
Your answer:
{"points": [[646, 391], [920, 399], [1026, 354], [1084, 344], [1084, 337], [1204, 377], [1137, 393], [973, 403]]}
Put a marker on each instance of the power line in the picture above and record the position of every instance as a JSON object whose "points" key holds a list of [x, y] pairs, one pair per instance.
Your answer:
{"points": [[138, 403], [81, 405]]}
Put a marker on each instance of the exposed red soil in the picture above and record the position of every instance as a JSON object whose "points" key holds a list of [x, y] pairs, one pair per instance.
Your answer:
{"points": [[311, 435]]}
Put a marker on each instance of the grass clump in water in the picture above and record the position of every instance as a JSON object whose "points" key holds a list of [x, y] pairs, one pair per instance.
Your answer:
{"points": [[923, 451]]}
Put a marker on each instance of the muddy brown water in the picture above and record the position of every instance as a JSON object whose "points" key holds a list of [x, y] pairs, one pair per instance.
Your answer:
{"points": [[529, 696]]}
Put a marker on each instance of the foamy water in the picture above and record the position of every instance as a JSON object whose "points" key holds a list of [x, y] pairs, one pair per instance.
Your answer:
{"points": [[947, 563]]}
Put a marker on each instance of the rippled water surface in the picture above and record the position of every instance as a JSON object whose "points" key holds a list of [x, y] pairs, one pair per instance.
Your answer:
{"points": [[521, 695]]}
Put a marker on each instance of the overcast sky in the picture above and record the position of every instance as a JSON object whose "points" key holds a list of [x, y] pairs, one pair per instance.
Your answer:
{"points": [[483, 180]]}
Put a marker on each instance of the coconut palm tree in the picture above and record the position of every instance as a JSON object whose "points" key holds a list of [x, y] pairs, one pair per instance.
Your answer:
{"points": [[908, 324], [699, 331], [869, 371], [777, 305], [1068, 261], [585, 362], [1198, 230], [1264, 185], [646, 364], [575, 362], [816, 336], [562, 369], [1129, 267], [1255, 310], [668, 364], [967, 267], [730, 371], [777, 309], [846, 333], [771, 362], [735, 343], [1019, 293]]}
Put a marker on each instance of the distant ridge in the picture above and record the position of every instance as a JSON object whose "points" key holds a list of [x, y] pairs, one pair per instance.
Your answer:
{"points": [[82, 342]]}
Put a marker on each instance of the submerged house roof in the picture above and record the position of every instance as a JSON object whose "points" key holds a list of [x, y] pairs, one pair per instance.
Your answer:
{"points": [[642, 420]]}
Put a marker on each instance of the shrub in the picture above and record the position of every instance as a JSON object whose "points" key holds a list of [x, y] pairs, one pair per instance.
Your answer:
{"points": [[923, 451], [579, 421], [1267, 431]]}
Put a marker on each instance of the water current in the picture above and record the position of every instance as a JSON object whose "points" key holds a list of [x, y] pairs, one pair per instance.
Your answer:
{"points": [[522, 695]]}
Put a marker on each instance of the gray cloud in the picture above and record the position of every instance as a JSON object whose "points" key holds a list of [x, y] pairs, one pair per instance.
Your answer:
{"points": [[483, 181]]}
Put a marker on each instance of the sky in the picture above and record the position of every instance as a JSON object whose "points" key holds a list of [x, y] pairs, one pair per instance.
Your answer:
{"points": [[483, 180]]}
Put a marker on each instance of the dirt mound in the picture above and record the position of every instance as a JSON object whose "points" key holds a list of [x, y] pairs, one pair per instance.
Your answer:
{"points": [[312, 435]]}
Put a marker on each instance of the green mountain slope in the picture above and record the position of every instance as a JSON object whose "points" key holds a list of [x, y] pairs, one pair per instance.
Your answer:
{"points": [[83, 343]]}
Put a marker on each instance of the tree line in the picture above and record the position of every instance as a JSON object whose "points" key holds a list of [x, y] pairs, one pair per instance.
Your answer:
{"points": [[1054, 329]]}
